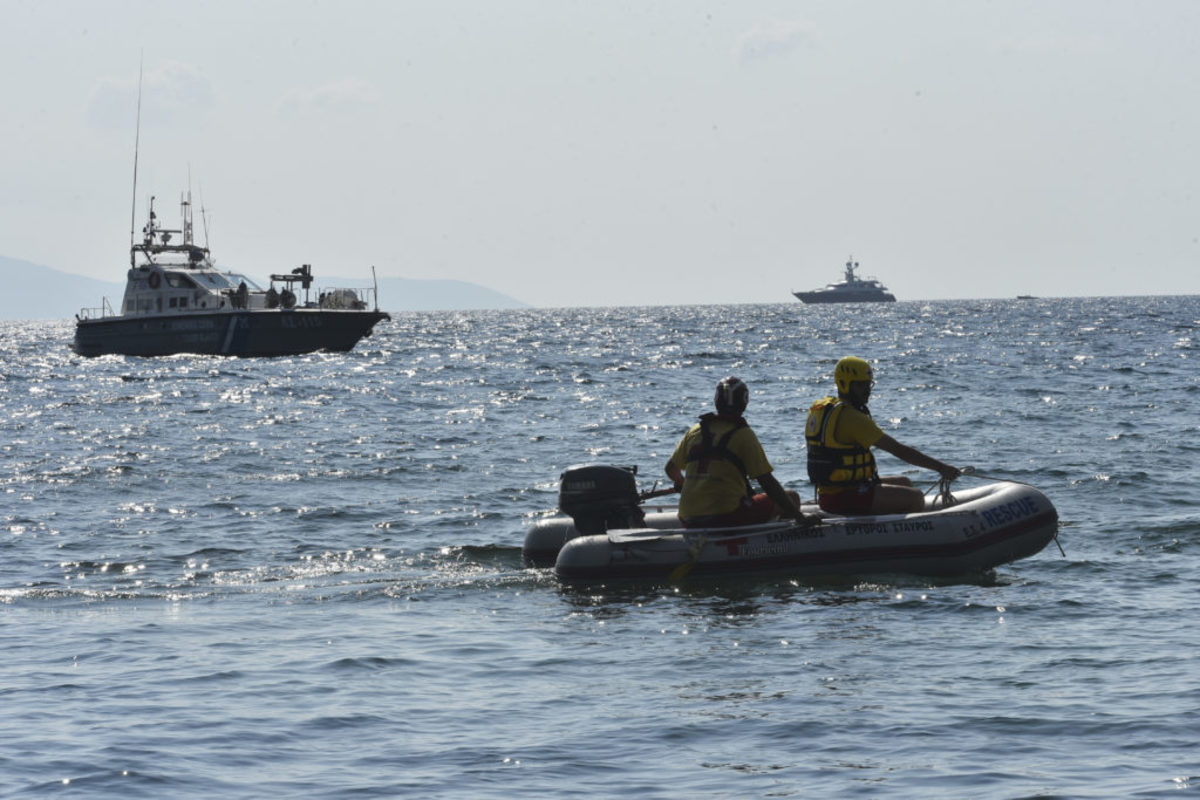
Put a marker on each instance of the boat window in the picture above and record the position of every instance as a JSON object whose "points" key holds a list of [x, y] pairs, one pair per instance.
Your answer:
{"points": [[224, 280], [177, 280], [235, 278], [214, 280]]}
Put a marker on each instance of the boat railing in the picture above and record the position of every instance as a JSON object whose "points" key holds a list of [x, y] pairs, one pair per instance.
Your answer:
{"points": [[105, 310], [349, 297]]}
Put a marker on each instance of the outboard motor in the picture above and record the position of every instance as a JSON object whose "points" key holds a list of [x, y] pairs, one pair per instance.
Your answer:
{"points": [[600, 497]]}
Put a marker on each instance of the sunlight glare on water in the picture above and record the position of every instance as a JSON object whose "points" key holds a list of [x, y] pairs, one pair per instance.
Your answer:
{"points": [[302, 576]]}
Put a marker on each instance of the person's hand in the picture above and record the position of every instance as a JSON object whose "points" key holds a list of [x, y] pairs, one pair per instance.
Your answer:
{"points": [[949, 473], [807, 521]]}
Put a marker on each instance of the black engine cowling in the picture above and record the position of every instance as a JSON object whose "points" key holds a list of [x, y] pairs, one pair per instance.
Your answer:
{"points": [[600, 497]]}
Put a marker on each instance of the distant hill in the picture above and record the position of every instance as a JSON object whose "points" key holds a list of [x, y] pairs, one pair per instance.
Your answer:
{"points": [[34, 291], [411, 294]]}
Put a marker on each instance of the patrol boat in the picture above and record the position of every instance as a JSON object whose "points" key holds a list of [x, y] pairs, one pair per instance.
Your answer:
{"points": [[851, 289], [606, 531], [177, 301]]}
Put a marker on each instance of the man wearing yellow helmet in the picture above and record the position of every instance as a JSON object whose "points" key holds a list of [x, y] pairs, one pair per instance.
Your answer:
{"points": [[840, 434], [713, 463]]}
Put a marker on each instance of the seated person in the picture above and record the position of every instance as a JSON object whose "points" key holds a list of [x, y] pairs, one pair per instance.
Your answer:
{"points": [[713, 463], [840, 434]]}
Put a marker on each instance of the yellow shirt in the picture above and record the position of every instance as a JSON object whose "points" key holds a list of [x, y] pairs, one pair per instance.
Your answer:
{"points": [[717, 486], [855, 427]]}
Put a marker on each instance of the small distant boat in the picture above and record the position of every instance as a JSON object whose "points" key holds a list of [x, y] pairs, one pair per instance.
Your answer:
{"points": [[178, 301], [1026, 297], [851, 289]]}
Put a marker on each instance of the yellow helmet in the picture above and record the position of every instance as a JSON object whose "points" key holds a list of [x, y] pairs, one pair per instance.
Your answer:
{"points": [[850, 369]]}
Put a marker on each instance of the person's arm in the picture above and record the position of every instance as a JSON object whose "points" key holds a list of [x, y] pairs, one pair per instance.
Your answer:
{"points": [[916, 457], [674, 473]]}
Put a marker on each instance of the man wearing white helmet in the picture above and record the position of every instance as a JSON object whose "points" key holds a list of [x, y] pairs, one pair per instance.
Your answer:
{"points": [[840, 434], [713, 463]]}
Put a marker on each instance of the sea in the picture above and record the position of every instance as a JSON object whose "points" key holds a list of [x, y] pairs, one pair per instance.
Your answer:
{"points": [[302, 577]]}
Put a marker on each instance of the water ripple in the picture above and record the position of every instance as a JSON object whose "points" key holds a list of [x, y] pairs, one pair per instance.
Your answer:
{"points": [[302, 576]]}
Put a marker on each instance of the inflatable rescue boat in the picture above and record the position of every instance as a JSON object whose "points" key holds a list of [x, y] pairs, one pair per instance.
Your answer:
{"points": [[606, 532]]}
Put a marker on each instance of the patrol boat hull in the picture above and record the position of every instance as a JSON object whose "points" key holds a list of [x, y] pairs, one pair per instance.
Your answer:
{"points": [[256, 332], [984, 528]]}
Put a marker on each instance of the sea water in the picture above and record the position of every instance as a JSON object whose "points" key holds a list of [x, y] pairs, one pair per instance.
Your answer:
{"points": [[301, 577]]}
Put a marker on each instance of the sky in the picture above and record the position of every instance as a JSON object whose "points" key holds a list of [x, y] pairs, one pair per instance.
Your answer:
{"points": [[612, 152]]}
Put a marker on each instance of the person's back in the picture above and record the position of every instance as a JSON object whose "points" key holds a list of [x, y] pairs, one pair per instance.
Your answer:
{"points": [[714, 461], [718, 453]]}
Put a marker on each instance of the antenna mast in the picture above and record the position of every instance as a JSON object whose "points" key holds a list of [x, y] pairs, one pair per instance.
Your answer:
{"points": [[204, 218], [137, 137]]}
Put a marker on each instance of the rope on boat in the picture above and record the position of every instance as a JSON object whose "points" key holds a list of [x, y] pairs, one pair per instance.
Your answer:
{"points": [[971, 472], [943, 495], [947, 499], [1060, 547]]}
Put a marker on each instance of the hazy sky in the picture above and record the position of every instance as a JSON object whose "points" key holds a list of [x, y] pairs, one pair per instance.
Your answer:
{"points": [[617, 153]]}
